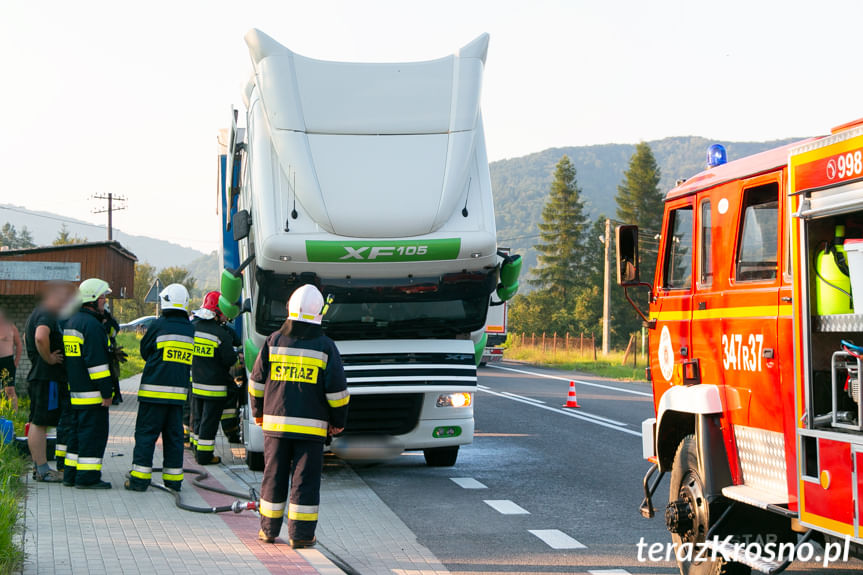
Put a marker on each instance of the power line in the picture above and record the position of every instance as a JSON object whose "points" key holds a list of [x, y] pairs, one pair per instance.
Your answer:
{"points": [[110, 209], [56, 218]]}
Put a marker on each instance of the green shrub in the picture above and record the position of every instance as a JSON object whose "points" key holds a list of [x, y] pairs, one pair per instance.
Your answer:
{"points": [[13, 466], [130, 342]]}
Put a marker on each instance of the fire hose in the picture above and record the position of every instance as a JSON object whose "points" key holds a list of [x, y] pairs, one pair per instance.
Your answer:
{"points": [[249, 501]]}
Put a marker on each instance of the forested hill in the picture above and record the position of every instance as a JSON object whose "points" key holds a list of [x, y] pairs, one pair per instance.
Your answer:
{"points": [[521, 184]]}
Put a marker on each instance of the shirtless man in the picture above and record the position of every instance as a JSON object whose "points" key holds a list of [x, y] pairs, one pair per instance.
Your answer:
{"points": [[10, 355]]}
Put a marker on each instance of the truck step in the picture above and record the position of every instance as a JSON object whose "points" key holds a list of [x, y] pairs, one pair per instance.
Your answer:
{"points": [[734, 554]]}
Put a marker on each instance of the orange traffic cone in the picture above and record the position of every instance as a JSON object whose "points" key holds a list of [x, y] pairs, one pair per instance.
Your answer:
{"points": [[571, 400]]}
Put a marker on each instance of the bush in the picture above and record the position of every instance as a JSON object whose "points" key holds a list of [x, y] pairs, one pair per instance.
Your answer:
{"points": [[130, 342], [13, 466]]}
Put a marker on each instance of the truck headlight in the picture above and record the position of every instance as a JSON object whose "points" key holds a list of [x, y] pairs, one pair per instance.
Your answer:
{"points": [[460, 399]]}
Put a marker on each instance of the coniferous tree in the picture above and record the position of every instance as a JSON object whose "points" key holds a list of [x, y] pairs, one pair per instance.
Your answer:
{"points": [[65, 237], [564, 223]]}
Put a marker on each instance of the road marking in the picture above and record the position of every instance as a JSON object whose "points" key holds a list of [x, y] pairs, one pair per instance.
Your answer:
{"points": [[557, 539], [609, 572], [521, 397], [568, 413], [506, 507], [581, 382], [468, 483]]}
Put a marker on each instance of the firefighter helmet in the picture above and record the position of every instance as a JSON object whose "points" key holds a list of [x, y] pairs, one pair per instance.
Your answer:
{"points": [[210, 306], [306, 304], [175, 296], [92, 289]]}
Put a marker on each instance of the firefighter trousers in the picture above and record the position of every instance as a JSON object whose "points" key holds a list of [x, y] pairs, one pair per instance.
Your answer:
{"points": [[297, 464], [156, 419], [63, 426], [206, 414], [86, 438], [231, 415]]}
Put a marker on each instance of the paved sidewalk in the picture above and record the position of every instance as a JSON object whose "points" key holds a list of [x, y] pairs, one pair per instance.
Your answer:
{"points": [[117, 531]]}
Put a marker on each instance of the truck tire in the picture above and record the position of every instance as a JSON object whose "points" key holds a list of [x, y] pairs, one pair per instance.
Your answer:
{"points": [[441, 456], [255, 460], [686, 492]]}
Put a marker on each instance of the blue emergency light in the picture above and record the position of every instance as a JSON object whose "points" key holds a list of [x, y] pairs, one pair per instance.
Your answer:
{"points": [[716, 155]]}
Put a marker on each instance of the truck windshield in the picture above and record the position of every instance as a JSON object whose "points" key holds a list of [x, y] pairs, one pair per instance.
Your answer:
{"points": [[431, 307]]}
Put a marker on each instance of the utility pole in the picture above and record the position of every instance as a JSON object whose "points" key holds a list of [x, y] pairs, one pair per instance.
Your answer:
{"points": [[110, 209], [606, 290]]}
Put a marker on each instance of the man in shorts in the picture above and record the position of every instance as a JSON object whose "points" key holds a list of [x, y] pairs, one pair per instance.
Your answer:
{"points": [[47, 379], [10, 355]]}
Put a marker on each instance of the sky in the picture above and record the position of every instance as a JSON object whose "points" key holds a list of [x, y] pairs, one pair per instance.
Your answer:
{"points": [[127, 97]]}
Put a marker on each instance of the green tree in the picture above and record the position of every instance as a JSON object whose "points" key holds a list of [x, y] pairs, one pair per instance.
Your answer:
{"points": [[640, 202], [561, 248], [177, 275], [134, 307], [13, 239], [65, 237]]}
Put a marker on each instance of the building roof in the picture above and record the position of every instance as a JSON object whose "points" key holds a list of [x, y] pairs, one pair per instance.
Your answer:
{"points": [[735, 170], [115, 245]]}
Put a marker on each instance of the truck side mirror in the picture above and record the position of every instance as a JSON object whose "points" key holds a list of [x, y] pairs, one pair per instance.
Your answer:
{"points": [[627, 255], [241, 224]]}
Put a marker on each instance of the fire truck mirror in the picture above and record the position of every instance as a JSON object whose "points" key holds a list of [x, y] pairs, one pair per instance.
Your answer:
{"points": [[627, 255]]}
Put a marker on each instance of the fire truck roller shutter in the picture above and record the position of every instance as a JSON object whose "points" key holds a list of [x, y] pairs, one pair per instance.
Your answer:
{"points": [[688, 410]]}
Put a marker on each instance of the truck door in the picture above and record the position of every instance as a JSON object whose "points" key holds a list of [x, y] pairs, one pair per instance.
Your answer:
{"points": [[670, 346], [749, 339]]}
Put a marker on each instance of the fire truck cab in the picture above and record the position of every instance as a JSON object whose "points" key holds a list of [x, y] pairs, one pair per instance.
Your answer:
{"points": [[755, 375]]}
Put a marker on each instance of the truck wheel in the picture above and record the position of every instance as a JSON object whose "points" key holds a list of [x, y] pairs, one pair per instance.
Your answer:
{"points": [[441, 456], [688, 513], [255, 460]]}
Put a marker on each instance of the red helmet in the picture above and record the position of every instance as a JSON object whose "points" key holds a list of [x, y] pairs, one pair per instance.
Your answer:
{"points": [[210, 307]]}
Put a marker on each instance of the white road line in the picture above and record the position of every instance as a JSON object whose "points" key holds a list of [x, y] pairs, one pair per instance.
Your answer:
{"points": [[508, 394], [557, 539], [609, 572], [506, 507], [568, 413], [482, 386], [580, 382], [468, 483]]}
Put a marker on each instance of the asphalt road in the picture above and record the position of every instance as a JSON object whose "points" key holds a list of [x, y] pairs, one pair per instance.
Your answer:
{"points": [[571, 476]]}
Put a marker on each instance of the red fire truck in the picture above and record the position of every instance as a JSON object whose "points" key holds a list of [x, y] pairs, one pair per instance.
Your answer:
{"points": [[753, 362]]}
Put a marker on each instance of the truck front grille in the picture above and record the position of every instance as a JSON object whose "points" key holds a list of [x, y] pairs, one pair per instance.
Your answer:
{"points": [[390, 414]]}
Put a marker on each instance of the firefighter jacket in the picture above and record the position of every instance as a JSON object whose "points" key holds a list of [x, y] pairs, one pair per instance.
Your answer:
{"points": [[298, 387], [167, 347], [85, 345], [214, 356]]}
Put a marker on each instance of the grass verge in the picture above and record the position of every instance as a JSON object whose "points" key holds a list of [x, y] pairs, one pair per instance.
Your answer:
{"points": [[130, 342], [13, 466], [609, 366]]}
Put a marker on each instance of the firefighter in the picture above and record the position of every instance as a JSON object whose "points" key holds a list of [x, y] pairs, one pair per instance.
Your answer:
{"points": [[118, 356], [90, 388], [299, 395], [167, 348], [236, 393], [211, 375]]}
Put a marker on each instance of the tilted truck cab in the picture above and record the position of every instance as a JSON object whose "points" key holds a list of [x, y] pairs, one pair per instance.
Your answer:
{"points": [[370, 181], [751, 357]]}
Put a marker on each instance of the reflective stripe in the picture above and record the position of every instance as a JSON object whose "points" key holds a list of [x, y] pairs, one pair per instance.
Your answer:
{"points": [[162, 392], [172, 474], [85, 398], [229, 413], [303, 512], [338, 399], [209, 390], [206, 444], [99, 371], [204, 335], [273, 510], [297, 354], [59, 451], [299, 425], [141, 472], [89, 463], [71, 460], [175, 338], [74, 335], [256, 389]]}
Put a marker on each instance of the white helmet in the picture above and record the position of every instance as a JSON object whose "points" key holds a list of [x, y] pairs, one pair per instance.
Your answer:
{"points": [[175, 296], [306, 304]]}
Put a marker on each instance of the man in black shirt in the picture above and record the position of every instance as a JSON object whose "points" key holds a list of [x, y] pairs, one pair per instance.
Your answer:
{"points": [[47, 378]]}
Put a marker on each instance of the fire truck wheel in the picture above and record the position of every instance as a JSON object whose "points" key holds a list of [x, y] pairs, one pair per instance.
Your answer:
{"points": [[687, 516], [441, 456]]}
